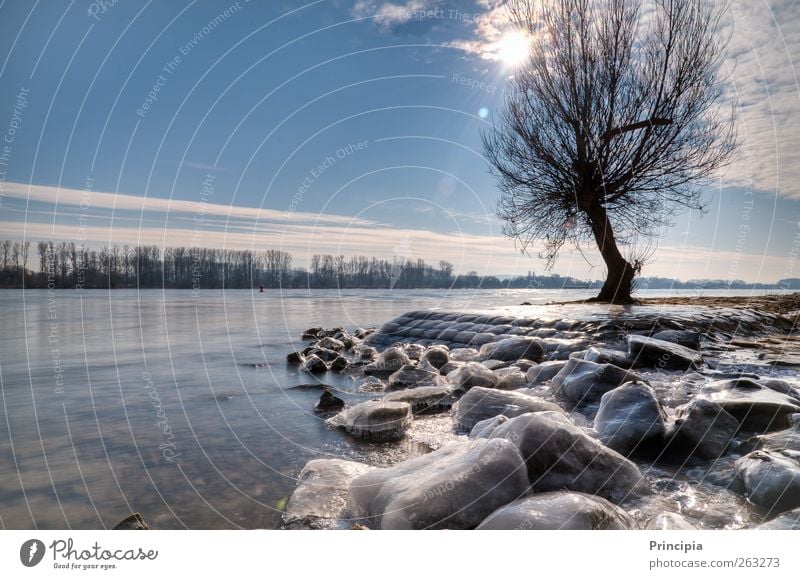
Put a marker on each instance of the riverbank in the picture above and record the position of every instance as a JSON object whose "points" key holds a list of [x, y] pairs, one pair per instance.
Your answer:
{"points": [[676, 413]]}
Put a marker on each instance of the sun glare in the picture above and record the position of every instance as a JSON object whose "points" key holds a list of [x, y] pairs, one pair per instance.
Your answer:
{"points": [[512, 48]]}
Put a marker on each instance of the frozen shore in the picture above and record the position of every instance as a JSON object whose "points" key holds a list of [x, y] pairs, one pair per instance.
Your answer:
{"points": [[573, 416]]}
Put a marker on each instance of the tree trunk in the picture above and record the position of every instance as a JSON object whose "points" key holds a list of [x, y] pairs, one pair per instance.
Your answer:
{"points": [[619, 277]]}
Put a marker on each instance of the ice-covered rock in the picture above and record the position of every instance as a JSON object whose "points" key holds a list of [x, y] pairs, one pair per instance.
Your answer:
{"points": [[328, 402], [510, 378], [771, 479], [425, 399], [544, 371], [320, 499], [481, 403], [559, 455], [455, 487], [315, 365], [662, 354], [472, 374], [630, 418], [514, 348], [582, 381], [556, 511], [375, 420], [484, 428], [607, 356], [687, 338], [465, 355], [756, 406], [703, 428], [414, 377], [331, 344], [388, 361], [437, 356]]}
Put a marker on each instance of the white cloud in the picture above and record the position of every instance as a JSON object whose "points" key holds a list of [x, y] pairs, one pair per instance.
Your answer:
{"points": [[387, 14]]}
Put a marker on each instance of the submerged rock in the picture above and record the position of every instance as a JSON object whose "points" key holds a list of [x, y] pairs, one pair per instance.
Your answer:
{"points": [[559, 455], [662, 354], [772, 480], [544, 371], [425, 399], [514, 348], [455, 487], [414, 377], [582, 381], [320, 499], [667, 521], [328, 402], [703, 428], [472, 374], [556, 511], [630, 418], [375, 420], [481, 403], [756, 406]]}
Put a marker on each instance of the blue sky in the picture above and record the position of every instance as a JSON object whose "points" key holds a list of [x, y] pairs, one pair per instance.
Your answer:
{"points": [[336, 126]]}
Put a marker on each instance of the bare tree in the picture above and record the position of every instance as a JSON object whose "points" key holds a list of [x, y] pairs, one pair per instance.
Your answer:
{"points": [[611, 127]]}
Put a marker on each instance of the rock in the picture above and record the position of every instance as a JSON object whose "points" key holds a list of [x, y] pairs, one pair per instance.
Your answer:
{"points": [[667, 521], [484, 428], [606, 356], [134, 522], [331, 344], [413, 351], [450, 366], [328, 402], [388, 362], [510, 378], [703, 428], [372, 384], [755, 406], [367, 353], [771, 480], [494, 364], [314, 365], [295, 358], [783, 440], [472, 374], [481, 403], [561, 456], [630, 418], [425, 399], [514, 348], [524, 365], [414, 377], [339, 364], [324, 354], [544, 371], [465, 355], [582, 381], [313, 334], [661, 354], [455, 487], [557, 511], [320, 499], [375, 420], [789, 521], [437, 356], [687, 338]]}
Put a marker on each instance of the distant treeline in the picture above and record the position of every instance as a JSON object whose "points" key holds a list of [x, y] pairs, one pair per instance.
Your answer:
{"points": [[71, 265]]}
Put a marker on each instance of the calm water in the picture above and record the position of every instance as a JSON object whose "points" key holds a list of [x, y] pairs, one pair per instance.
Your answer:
{"points": [[176, 406]]}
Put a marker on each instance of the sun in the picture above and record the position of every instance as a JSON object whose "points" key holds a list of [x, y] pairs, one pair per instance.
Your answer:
{"points": [[512, 49]]}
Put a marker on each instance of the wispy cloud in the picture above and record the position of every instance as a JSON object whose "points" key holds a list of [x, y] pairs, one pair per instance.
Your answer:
{"points": [[387, 15]]}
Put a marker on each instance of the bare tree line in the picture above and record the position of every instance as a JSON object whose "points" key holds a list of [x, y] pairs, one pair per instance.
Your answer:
{"points": [[70, 265]]}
